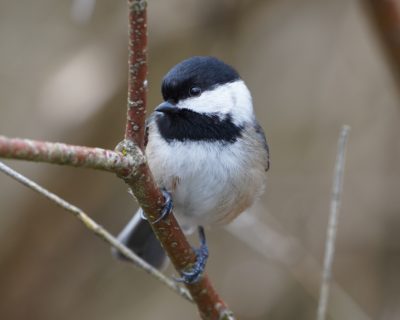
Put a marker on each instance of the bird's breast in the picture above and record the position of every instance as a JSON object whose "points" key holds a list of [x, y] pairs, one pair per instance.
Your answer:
{"points": [[210, 182]]}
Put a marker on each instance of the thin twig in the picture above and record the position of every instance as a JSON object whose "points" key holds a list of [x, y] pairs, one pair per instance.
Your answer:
{"points": [[98, 230], [332, 224], [76, 156]]}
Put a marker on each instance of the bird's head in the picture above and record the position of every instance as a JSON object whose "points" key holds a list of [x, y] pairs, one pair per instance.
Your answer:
{"points": [[206, 97]]}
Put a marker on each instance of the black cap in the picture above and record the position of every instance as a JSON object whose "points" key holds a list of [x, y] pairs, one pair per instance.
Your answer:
{"points": [[199, 72]]}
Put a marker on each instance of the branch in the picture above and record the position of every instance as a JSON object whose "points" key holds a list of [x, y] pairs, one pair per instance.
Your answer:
{"points": [[142, 182], [332, 225], [137, 66], [97, 229], [76, 156]]}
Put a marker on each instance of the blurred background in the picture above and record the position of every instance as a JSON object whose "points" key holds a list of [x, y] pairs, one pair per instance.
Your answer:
{"points": [[312, 66]]}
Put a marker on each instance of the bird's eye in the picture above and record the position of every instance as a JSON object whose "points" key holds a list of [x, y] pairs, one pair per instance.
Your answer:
{"points": [[194, 91]]}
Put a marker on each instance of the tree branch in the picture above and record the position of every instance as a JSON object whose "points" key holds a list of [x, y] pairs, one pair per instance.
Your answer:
{"points": [[142, 182], [96, 229], [137, 75], [76, 156]]}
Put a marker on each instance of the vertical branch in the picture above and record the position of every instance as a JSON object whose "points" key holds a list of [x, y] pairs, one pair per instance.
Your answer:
{"points": [[137, 66], [142, 182], [332, 224]]}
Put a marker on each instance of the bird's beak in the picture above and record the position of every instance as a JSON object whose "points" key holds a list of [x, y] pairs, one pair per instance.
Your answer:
{"points": [[167, 107]]}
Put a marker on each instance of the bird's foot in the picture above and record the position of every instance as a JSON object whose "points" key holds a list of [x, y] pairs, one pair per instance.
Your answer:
{"points": [[196, 271], [166, 210], [168, 204]]}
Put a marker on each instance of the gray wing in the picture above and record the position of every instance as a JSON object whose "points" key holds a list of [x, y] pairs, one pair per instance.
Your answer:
{"points": [[261, 136]]}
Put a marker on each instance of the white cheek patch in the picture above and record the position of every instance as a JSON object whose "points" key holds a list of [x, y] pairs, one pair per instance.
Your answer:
{"points": [[233, 98]]}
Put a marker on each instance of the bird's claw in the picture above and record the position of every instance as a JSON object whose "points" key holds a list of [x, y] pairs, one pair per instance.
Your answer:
{"points": [[196, 271], [168, 205]]}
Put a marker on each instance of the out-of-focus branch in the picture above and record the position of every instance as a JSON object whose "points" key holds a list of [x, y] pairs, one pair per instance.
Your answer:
{"points": [[385, 16], [76, 156], [142, 183], [332, 224], [97, 229], [287, 251]]}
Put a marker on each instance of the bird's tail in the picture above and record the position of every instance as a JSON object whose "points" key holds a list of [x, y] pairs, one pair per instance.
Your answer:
{"points": [[139, 237]]}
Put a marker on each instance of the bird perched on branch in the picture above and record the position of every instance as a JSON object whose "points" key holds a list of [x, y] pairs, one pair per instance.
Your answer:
{"points": [[205, 150]]}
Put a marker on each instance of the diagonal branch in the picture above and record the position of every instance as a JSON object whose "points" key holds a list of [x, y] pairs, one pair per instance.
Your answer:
{"points": [[97, 229]]}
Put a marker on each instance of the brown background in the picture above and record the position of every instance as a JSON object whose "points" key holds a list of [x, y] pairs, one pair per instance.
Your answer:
{"points": [[312, 65]]}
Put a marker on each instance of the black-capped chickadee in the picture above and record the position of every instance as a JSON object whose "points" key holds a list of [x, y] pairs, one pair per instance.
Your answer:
{"points": [[206, 149]]}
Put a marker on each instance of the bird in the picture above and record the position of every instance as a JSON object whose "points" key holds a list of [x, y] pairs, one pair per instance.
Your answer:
{"points": [[206, 151]]}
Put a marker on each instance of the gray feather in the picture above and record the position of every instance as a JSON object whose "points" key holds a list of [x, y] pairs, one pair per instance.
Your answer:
{"points": [[261, 136], [139, 237]]}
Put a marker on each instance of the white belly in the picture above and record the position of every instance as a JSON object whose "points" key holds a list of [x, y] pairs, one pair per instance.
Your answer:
{"points": [[209, 182]]}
